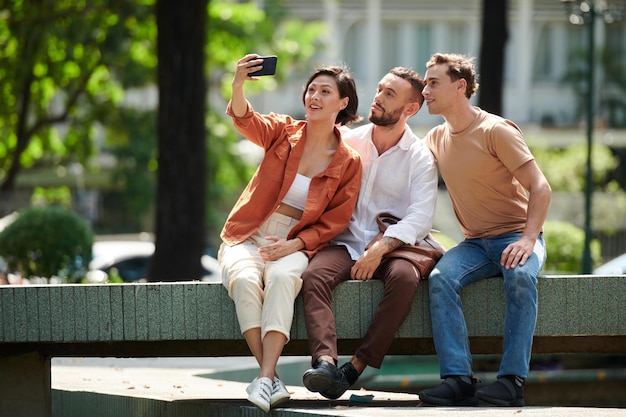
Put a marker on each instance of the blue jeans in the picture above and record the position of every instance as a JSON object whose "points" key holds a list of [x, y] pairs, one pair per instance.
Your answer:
{"points": [[469, 262]]}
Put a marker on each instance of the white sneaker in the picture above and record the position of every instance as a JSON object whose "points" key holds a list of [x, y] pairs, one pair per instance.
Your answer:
{"points": [[260, 392], [279, 393], [249, 387]]}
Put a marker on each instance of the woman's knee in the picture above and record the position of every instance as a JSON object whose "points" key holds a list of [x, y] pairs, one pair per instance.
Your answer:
{"points": [[286, 284], [245, 287]]}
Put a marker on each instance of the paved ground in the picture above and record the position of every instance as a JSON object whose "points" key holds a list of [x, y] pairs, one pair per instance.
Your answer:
{"points": [[174, 379]]}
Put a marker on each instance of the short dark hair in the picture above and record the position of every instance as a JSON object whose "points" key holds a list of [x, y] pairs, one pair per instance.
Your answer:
{"points": [[416, 81], [459, 66], [346, 88]]}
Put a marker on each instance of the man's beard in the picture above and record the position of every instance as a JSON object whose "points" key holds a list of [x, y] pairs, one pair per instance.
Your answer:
{"points": [[387, 119]]}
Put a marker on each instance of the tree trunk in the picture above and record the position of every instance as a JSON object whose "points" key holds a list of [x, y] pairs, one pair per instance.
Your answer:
{"points": [[494, 37], [180, 202]]}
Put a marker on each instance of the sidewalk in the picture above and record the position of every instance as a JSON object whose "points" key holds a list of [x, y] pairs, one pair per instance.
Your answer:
{"points": [[114, 384]]}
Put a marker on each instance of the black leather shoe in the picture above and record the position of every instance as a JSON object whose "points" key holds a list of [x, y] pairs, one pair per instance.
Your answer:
{"points": [[349, 373], [326, 379], [349, 376]]}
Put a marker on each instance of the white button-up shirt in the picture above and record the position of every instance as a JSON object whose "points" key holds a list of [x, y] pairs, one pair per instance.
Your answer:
{"points": [[402, 181]]}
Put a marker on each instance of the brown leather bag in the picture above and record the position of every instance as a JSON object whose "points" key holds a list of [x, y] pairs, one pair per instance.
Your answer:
{"points": [[424, 255]]}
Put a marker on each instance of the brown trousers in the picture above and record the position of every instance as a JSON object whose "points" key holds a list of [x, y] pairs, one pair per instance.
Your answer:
{"points": [[330, 267]]}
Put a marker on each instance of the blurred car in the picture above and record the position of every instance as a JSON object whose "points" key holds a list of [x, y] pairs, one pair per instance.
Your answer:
{"points": [[132, 260], [616, 266]]}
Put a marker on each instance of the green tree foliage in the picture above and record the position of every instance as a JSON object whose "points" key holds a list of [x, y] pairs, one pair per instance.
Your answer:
{"points": [[565, 170], [608, 58], [58, 196], [64, 65], [68, 68], [131, 139], [565, 167], [47, 241], [564, 243]]}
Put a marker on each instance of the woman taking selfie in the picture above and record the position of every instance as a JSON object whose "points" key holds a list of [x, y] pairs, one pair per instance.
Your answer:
{"points": [[301, 195]]}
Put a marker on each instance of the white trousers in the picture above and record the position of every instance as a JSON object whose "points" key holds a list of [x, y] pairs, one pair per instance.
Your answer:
{"points": [[264, 292]]}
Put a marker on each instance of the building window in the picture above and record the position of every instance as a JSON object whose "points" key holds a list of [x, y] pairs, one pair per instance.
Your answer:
{"points": [[543, 57], [402, 43], [422, 47], [457, 38], [355, 48], [390, 53]]}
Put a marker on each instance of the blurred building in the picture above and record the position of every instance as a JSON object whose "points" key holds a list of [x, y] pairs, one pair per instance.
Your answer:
{"points": [[543, 50]]}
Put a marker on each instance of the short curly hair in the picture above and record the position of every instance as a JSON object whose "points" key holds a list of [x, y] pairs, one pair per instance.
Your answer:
{"points": [[459, 66]]}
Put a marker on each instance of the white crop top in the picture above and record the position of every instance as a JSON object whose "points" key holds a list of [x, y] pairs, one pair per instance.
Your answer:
{"points": [[299, 190]]}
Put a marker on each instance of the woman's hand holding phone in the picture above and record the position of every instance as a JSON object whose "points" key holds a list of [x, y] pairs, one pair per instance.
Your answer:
{"points": [[268, 66]]}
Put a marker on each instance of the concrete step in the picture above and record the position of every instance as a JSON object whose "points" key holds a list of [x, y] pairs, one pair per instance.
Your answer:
{"points": [[161, 387]]}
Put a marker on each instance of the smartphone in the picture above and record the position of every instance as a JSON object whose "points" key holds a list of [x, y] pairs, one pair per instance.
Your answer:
{"points": [[269, 66]]}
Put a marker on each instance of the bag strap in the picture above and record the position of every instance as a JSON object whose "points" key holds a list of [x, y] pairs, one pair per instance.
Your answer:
{"points": [[386, 219], [434, 243]]}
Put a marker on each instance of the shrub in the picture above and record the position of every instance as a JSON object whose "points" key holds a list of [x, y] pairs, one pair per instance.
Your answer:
{"points": [[47, 241], [564, 244]]}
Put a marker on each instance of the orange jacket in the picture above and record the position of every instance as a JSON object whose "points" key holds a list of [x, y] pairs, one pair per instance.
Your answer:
{"points": [[332, 193]]}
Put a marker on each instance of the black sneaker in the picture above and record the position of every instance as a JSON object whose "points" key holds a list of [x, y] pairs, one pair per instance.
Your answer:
{"points": [[326, 379], [507, 391], [453, 391]]}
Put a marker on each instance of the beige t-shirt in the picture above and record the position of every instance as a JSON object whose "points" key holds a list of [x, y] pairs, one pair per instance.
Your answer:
{"points": [[477, 165]]}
